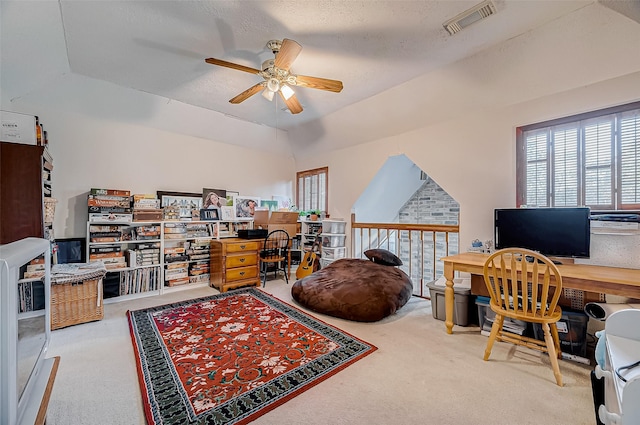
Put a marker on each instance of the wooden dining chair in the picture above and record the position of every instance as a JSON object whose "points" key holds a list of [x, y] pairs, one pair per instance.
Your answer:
{"points": [[525, 285], [274, 254]]}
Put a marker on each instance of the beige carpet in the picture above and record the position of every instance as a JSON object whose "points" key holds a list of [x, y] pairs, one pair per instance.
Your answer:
{"points": [[418, 375]]}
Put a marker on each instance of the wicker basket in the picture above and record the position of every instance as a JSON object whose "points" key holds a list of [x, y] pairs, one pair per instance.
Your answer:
{"points": [[77, 302]]}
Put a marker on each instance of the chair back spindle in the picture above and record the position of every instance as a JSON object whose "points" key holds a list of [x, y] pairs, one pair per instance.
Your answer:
{"points": [[525, 285]]}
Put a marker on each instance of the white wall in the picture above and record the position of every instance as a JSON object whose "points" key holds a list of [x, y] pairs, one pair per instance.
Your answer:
{"points": [[471, 157], [90, 152], [457, 124]]}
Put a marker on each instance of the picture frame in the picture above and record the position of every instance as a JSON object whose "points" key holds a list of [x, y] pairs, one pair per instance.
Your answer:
{"points": [[213, 198], [269, 204], [189, 203], [230, 195], [209, 214], [245, 206], [284, 202], [227, 213]]}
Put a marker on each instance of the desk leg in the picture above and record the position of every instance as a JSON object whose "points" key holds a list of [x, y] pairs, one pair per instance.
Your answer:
{"points": [[448, 297]]}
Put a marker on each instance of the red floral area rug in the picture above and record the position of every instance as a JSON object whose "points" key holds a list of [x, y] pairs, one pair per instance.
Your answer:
{"points": [[229, 358]]}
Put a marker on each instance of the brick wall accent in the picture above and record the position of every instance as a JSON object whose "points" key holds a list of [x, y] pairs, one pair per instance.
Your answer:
{"points": [[429, 205]]}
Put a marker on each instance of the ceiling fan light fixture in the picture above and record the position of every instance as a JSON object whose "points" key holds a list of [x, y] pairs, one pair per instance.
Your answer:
{"points": [[267, 94], [278, 76], [273, 84], [286, 91]]}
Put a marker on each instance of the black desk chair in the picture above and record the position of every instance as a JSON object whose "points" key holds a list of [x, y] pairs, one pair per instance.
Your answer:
{"points": [[274, 255]]}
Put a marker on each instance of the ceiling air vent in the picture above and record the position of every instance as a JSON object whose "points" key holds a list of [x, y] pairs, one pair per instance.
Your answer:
{"points": [[470, 16]]}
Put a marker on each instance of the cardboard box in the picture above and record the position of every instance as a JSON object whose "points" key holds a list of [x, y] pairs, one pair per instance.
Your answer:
{"points": [[276, 220]]}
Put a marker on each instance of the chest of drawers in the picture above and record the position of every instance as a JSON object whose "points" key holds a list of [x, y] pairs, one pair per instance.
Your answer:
{"points": [[234, 263]]}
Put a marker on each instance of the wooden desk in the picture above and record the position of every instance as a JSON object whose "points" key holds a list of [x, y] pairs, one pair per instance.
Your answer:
{"points": [[584, 277]]}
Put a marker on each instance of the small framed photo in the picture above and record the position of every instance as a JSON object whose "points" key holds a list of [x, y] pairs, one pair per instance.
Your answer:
{"points": [[230, 195], [209, 214], [227, 213], [269, 204], [245, 206]]}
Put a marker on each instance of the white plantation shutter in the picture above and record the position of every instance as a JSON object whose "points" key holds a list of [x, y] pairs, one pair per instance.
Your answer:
{"points": [[537, 163], [322, 191], [592, 159], [630, 159], [565, 167], [598, 141], [312, 189]]}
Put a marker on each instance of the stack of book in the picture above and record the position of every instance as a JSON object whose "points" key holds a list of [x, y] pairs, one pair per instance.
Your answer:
{"points": [[175, 254], [109, 205], [175, 230], [199, 272], [198, 253], [198, 250], [141, 233], [104, 233], [198, 230], [146, 207], [111, 255], [35, 269], [176, 273], [144, 255]]}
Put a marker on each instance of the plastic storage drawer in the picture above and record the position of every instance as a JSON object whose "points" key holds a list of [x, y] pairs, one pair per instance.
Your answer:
{"points": [[332, 240], [333, 226]]}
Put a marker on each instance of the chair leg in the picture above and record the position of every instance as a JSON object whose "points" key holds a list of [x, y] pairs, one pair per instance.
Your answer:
{"points": [[553, 354], [556, 338], [284, 272], [263, 272], [497, 327]]}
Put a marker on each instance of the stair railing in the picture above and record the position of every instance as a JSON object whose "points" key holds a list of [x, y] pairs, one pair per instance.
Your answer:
{"points": [[419, 246]]}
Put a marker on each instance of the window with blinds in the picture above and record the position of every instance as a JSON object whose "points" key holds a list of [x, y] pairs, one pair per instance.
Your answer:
{"points": [[312, 189], [589, 160]]}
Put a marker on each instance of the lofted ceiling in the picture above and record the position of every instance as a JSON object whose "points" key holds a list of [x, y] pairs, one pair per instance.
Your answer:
{"points": [[159, 47]]}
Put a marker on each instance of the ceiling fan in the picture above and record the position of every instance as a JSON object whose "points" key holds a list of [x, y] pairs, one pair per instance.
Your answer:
{"points": [[278, 77]]}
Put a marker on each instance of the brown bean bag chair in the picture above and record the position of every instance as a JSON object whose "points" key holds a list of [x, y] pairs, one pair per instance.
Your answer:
{"points": [[354, 289]]}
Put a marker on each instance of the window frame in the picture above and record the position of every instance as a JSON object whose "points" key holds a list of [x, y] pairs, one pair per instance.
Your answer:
{"points": [[301, 202], [580, 120]]}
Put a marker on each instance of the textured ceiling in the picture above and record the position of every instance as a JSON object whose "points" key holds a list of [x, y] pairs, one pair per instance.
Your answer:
{"points": [[142, 62], [159, 47]]}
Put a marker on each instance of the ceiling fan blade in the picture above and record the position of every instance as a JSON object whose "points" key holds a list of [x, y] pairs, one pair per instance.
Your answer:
{"points": [[220, 62], [289, 51], [247, 93], [319, 83], [294, 106]]}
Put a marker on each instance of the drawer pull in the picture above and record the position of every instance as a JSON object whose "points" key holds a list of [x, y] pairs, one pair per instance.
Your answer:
{"points": [[242, 260], [242, 273], [243, 247]]}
